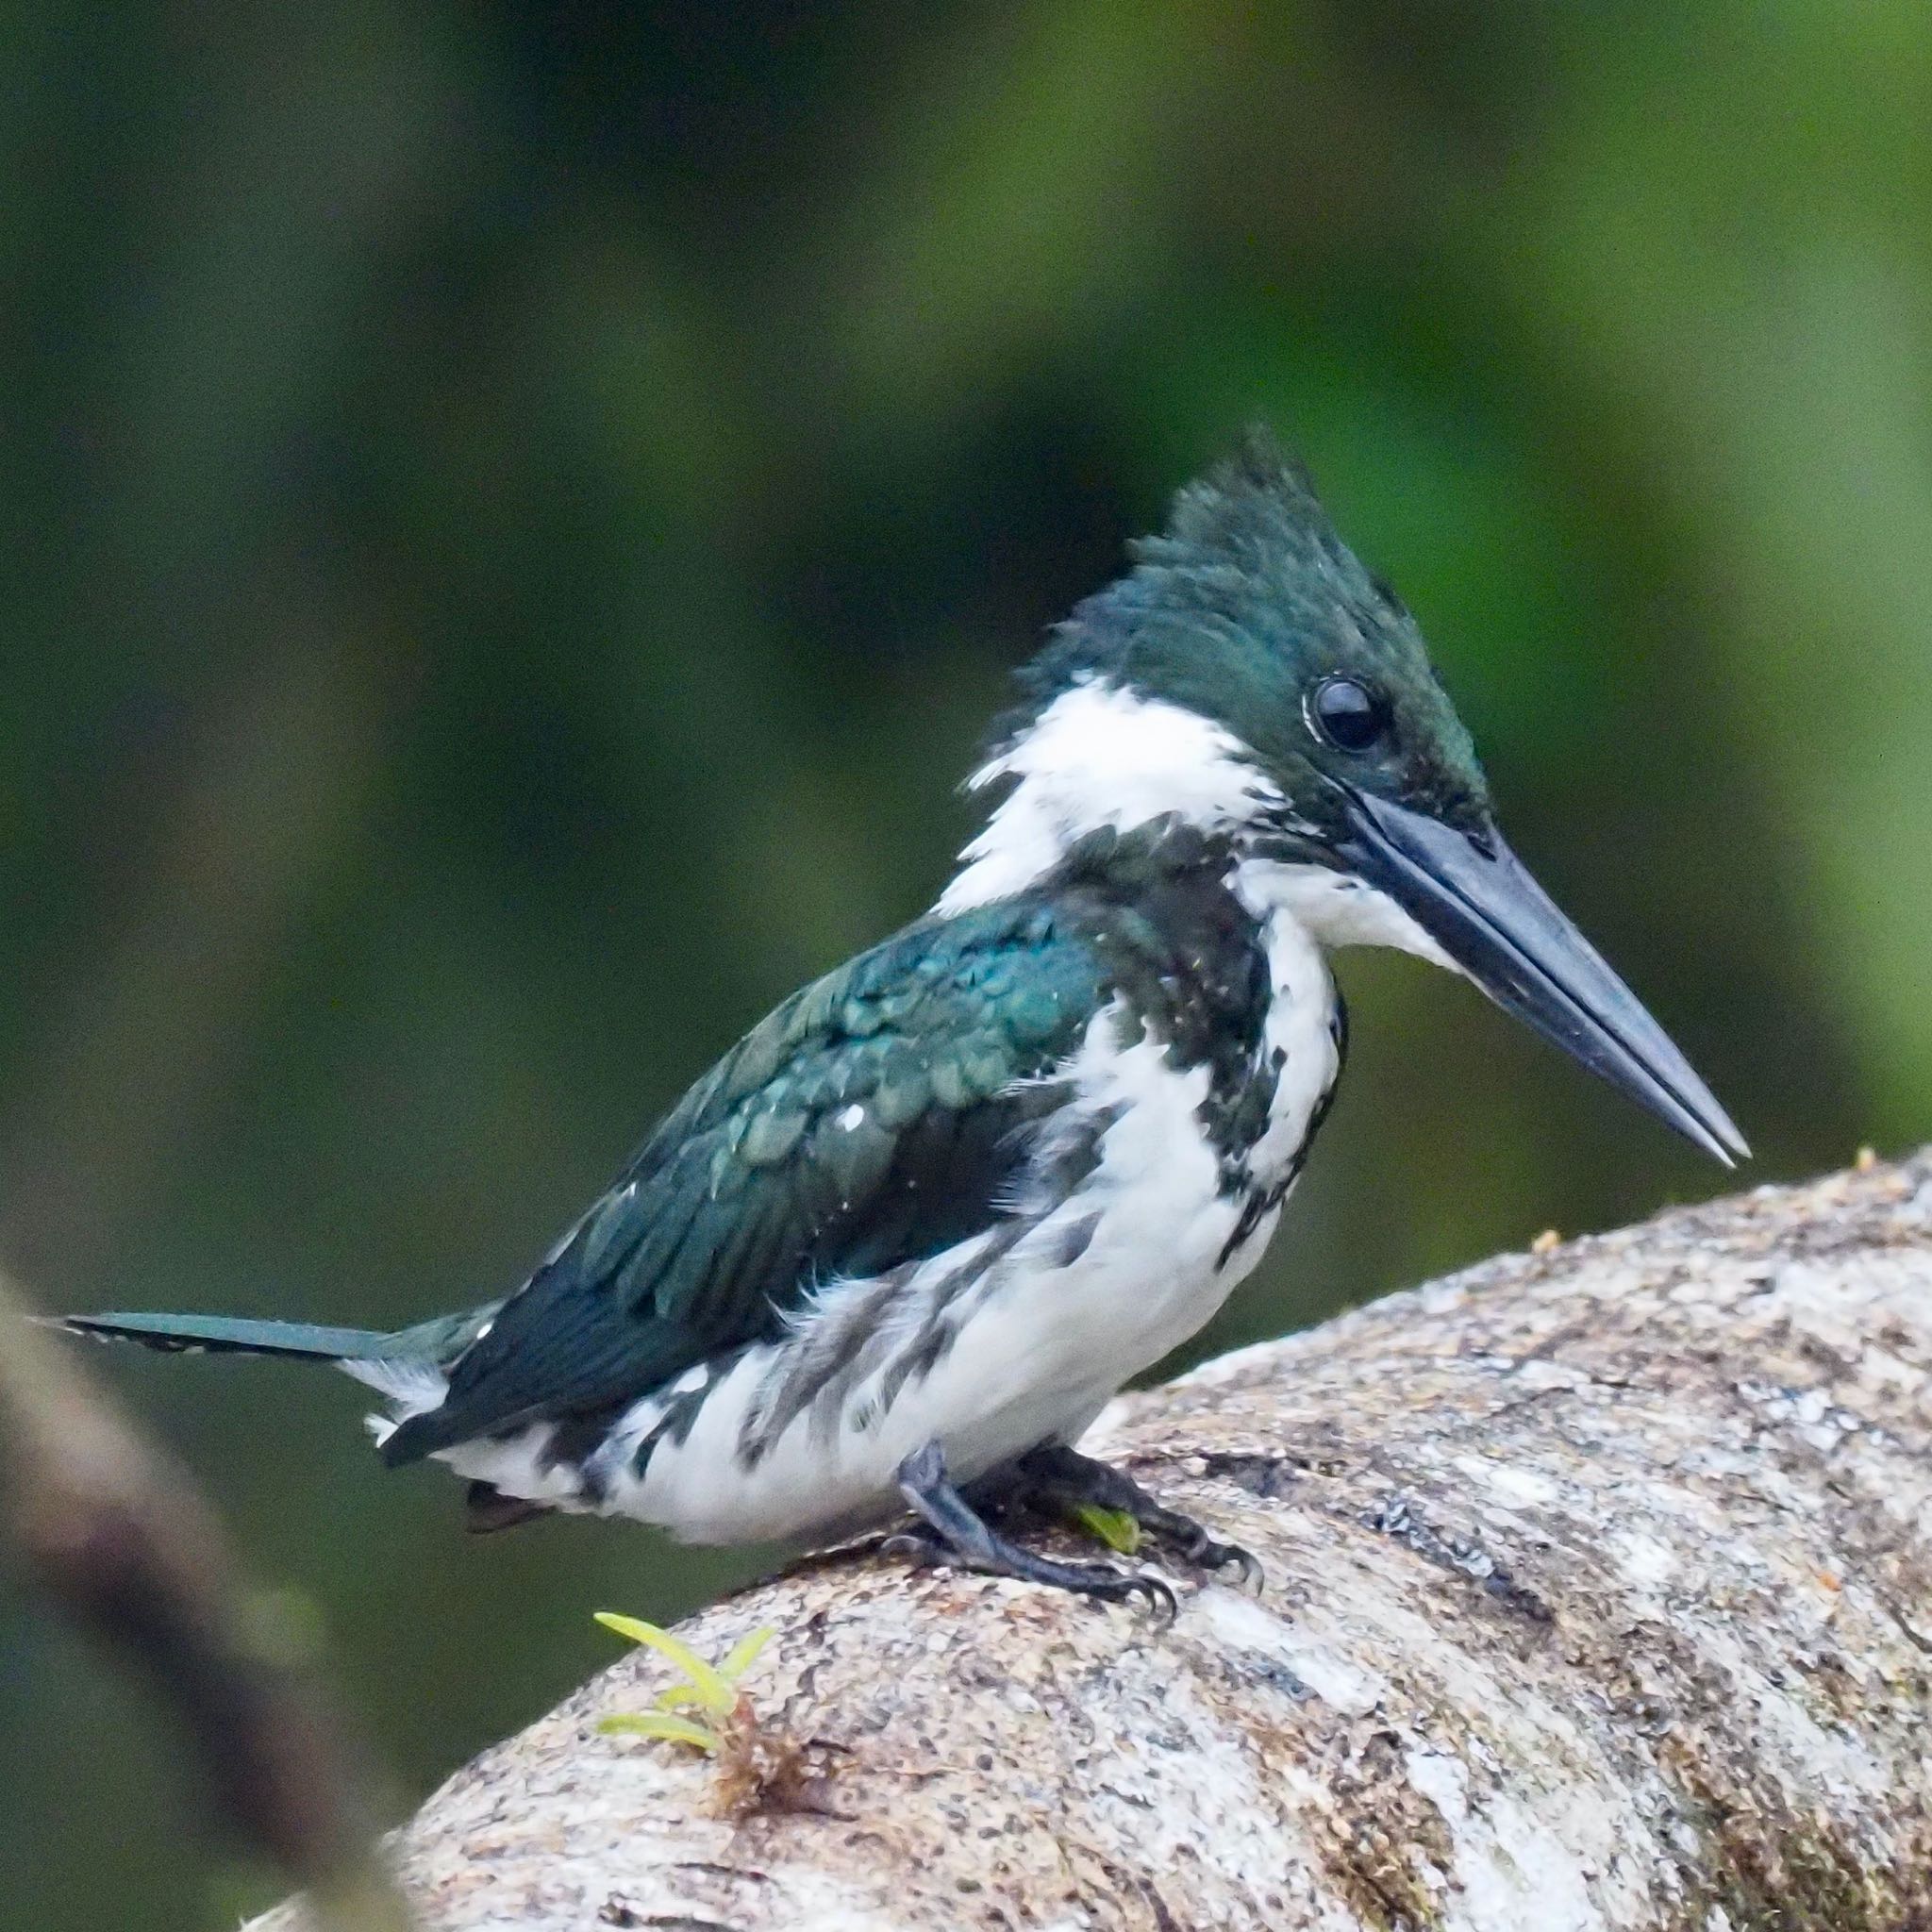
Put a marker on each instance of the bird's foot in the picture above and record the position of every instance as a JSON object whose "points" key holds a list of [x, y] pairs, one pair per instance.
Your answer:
{"points": [[951, 1531], [1057, 1478]]}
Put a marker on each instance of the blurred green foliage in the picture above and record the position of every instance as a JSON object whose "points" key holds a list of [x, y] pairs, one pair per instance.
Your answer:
{"points": [[513, 519]]}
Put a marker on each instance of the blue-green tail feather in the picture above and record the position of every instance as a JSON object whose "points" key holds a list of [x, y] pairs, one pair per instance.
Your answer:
{"points": [[231, 1334]]}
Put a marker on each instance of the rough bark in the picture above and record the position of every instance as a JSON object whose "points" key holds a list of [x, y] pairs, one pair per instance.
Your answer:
{"points": [[1599, 1595]]}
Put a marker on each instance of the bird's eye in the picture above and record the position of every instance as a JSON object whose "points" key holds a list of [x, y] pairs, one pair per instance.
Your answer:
{"points": [[1350, 715]]}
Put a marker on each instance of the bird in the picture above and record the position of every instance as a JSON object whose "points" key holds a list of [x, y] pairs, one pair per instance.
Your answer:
{"points": [[891, 1256]]}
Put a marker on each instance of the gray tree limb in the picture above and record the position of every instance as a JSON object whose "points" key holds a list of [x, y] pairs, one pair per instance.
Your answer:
{"points": [[122, 1543], [1599, 1596]]}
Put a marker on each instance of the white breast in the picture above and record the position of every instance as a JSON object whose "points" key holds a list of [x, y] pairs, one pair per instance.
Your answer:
{"points": [[1300, 1037]]}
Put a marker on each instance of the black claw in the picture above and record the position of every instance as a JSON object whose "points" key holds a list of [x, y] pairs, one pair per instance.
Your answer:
{"points": [[1214, 1555], [1200, 1548], [1163, 1603]]}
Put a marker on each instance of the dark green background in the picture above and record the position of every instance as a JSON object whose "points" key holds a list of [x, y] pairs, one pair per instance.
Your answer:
{"points": [[513, 520]]}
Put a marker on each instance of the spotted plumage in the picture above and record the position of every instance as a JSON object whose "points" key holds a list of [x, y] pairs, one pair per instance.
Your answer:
{"points": [[904, 1241]]}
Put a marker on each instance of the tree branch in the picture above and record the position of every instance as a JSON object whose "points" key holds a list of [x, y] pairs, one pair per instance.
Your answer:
{"points": [[1600, 1595], [123, 1545]]}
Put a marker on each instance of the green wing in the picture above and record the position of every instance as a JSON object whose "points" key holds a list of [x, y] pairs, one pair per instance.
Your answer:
{"points": [[871, 1120]]}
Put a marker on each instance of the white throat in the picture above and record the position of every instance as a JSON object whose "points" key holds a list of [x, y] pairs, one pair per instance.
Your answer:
{"points": [[1101, 756], [1333, 908]]}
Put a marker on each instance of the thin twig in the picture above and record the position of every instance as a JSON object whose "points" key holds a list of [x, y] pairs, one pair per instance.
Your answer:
{"points": [[124, 1545]]}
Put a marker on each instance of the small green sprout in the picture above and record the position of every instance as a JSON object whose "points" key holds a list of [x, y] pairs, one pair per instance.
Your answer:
{"points": [[709, 1690], [755, 1768], [1118, 1531]]}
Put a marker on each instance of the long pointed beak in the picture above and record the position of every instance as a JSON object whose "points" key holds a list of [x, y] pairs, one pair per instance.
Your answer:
{"points": [[1477, 901]]}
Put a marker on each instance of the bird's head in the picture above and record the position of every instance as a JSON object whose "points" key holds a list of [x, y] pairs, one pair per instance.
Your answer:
{"points": [[1248, 676]]}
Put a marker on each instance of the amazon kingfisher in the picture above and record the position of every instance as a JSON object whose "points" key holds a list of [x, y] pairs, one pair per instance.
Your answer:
{"points": [[900, 1246]]}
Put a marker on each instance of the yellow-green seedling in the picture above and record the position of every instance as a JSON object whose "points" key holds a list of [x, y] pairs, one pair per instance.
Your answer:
{"points": [[1118, 1531], [755, 1768], [709, 1691]]}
